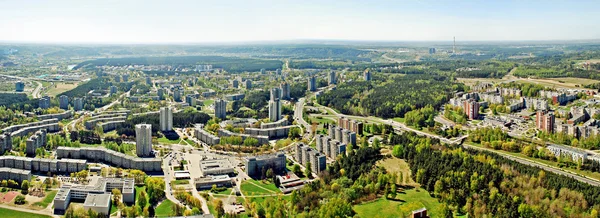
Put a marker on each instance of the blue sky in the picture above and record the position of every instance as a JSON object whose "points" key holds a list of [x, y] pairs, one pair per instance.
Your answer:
{"points": [[188, 21]]}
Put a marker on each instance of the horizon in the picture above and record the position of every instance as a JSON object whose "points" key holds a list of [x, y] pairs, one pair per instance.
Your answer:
{"points": [[200, 22]]}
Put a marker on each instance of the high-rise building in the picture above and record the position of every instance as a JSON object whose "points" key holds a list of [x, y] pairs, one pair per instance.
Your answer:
{"points": [[113, 90], [262, 71], [285, 90], [471, 108], [248, 84], [118, 78], [44, 102], [19, 86], [166, 119], [220, 108], [143, 140], [235, 83], [177, 93], [275, 105], [125, 77], [431, 50], [275, 93], [312, 84], [161, 94], [78, 104], [544, 121], [332, 78], [63, 102], [367, 75], [278, 71]]}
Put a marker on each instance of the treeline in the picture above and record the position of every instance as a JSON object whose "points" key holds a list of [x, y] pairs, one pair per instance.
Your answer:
{"points": [[99, 83], [550, 71], [230, 64], [338, 65], [392, 98], [7, 99], [486, 184], [303, 51]]}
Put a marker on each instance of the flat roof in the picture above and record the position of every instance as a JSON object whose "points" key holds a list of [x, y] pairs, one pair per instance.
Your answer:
{"points": [[97, 200]]}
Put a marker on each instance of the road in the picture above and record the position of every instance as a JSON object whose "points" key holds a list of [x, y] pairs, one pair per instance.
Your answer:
{"points": [[459, 140], [549, 168]]}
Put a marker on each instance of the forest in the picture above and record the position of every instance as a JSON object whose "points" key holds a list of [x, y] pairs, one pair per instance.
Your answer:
{"points": [[230, 64], [7, 99], [486, 184], [393, 98]]}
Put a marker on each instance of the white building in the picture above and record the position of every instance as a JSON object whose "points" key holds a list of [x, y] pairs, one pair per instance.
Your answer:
{"points": [[143, 139], [166, 119]]}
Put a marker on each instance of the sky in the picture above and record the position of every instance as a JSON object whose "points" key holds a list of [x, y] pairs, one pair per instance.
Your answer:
{"points": [[199, 21]]}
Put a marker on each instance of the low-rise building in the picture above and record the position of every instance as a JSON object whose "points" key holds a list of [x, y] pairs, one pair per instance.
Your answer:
{"points": [[216, 167], [254, 164], [207, 182]]}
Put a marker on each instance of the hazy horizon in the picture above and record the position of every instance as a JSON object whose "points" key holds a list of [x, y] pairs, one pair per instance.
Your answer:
{"points": [[239, 22]]}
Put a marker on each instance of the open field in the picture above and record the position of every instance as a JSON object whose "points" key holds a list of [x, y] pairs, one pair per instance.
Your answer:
{"points": [[8, 213], [164, 208], [60, 87], [253, 187], [402, 206], [400, 167], [47, 199]]}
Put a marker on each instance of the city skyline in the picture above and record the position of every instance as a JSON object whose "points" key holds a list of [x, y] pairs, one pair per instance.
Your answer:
{"points": [[150, 22]]}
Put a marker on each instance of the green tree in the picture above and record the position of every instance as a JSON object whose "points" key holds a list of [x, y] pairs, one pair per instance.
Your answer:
{"points": [[308, 170], [25, 187], [142, 199], [219, 208]]}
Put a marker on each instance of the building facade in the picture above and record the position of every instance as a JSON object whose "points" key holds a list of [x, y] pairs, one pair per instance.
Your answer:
{"points": [[143, 140]]}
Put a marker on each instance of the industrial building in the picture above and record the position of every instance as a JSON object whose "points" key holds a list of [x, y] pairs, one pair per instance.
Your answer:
{"points": [[98, 193], [255, 164], [216, 167], [203, 183]]}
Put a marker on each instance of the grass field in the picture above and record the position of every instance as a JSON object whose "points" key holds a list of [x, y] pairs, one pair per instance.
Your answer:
{"points": [[253, 187], [7, 213], [138, 190], [60, 87], [180, 182], [399, 166], [321, 120], [47, 199], [167, 141], [208, 102], [406, 202], [164, 208]]}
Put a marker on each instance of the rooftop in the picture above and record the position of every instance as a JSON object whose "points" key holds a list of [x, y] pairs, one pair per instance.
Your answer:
{"points": [[94, 200]]}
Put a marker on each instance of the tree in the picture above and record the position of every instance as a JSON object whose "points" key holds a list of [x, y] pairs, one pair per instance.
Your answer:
{"points": [[393, 190], [116, 196], [142, 199], [269, 173], [25, 187], [308, 170], [20, 200], [376, 143], [156, 189], [219, 208], [297, 170]]}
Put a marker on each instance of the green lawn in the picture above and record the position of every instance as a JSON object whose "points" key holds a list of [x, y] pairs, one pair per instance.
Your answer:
{"points": [[253, 187], [164, 208], [113, 208], [404, 204], [8, 213], [167, 141], [208, 102], [47, 200], [138, 190], [399, 119], [180, 182]]}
